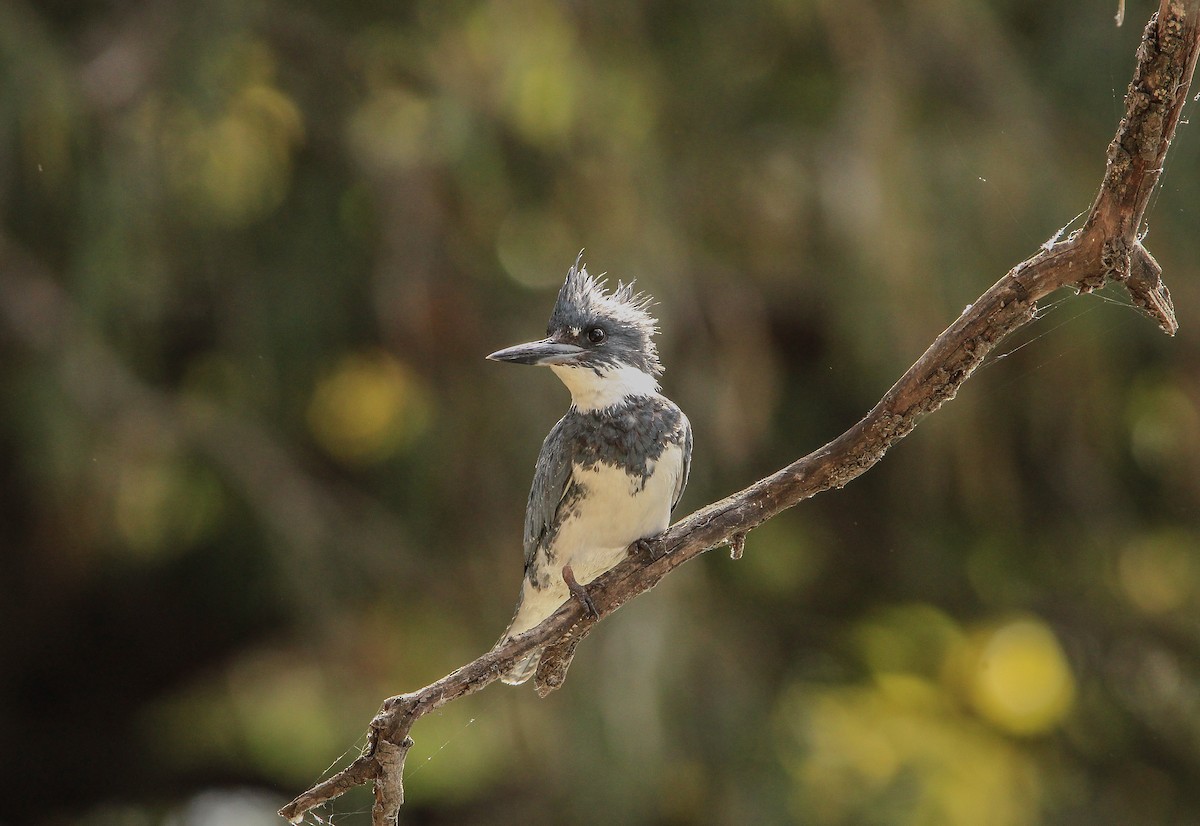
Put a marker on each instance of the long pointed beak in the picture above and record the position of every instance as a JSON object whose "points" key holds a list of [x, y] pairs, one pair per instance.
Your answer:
{"points": [[545, 352]]}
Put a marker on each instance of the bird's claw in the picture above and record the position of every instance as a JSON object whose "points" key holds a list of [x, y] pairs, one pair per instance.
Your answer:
{"points": [[649, 549], [579, 592]]}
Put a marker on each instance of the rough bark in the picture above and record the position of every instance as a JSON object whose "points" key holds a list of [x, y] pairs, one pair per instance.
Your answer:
{"points": [[1107, 248]]}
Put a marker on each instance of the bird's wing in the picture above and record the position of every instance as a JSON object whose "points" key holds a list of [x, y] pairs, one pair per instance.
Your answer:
{"points": [[686, 469], [550, 480]]}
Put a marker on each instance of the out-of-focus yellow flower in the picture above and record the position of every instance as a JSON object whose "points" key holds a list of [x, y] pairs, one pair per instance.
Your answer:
{"points": [[244, 713], [368, 407], [1018, 677], [912, 638], [898, 750], [234, 165], [1158, 573], [530, 49]]}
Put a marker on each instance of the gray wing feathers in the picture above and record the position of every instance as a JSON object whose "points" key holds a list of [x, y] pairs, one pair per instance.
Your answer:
{"points": [[550, 479], [686, 469]]}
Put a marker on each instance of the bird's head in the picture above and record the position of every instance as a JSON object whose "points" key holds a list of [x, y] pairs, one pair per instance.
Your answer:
{"points": [[595, 338]]}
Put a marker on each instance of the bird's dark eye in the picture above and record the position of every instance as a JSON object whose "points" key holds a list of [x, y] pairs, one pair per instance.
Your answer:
{"points": [[596, 335]]}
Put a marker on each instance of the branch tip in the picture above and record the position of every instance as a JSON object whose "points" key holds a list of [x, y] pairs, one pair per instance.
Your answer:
{"points": [[1148, 291]]}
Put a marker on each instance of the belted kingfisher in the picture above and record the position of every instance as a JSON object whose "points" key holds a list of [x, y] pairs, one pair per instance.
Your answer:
{"points": [[612, 469]]}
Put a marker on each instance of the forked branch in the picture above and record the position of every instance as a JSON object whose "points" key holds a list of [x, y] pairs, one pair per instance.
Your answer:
{"points": [[1107, 248]]}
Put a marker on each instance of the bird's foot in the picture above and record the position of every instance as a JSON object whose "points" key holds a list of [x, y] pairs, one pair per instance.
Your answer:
{"points": [[579, 592], [649, 549]]}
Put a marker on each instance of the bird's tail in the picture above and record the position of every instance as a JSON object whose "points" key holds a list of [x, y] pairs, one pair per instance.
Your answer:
{"points": [[527, 665], [523, 670], [533, 606]]}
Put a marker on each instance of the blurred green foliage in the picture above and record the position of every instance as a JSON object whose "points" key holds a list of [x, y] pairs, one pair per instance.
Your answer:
{"points": [[255, 475]]}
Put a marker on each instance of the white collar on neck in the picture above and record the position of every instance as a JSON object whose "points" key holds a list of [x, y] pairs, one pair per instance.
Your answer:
{"points": [[592, 391]]}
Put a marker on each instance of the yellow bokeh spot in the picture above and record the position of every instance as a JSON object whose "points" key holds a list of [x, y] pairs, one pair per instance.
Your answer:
{"points": [[243, 714], [543, 99], [268, 692], [1157, 573], [529, 50], [392, 129], [233, 165], [159, 508], [366, 408], [898, 744], [531, 245], [1020, 680], [911, 638], [1164, 424]]}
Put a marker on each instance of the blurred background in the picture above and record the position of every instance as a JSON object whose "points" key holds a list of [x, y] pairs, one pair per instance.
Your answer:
{"points": [[255, 474]]}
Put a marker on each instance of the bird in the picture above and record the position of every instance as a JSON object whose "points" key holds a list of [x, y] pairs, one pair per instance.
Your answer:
{"points": [[612, 470]]}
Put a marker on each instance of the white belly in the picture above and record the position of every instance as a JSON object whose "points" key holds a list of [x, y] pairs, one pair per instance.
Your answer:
{"points": [[617, 511]]}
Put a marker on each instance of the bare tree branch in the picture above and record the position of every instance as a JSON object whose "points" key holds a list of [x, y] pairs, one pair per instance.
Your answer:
{"points": [[1106, 248]]}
